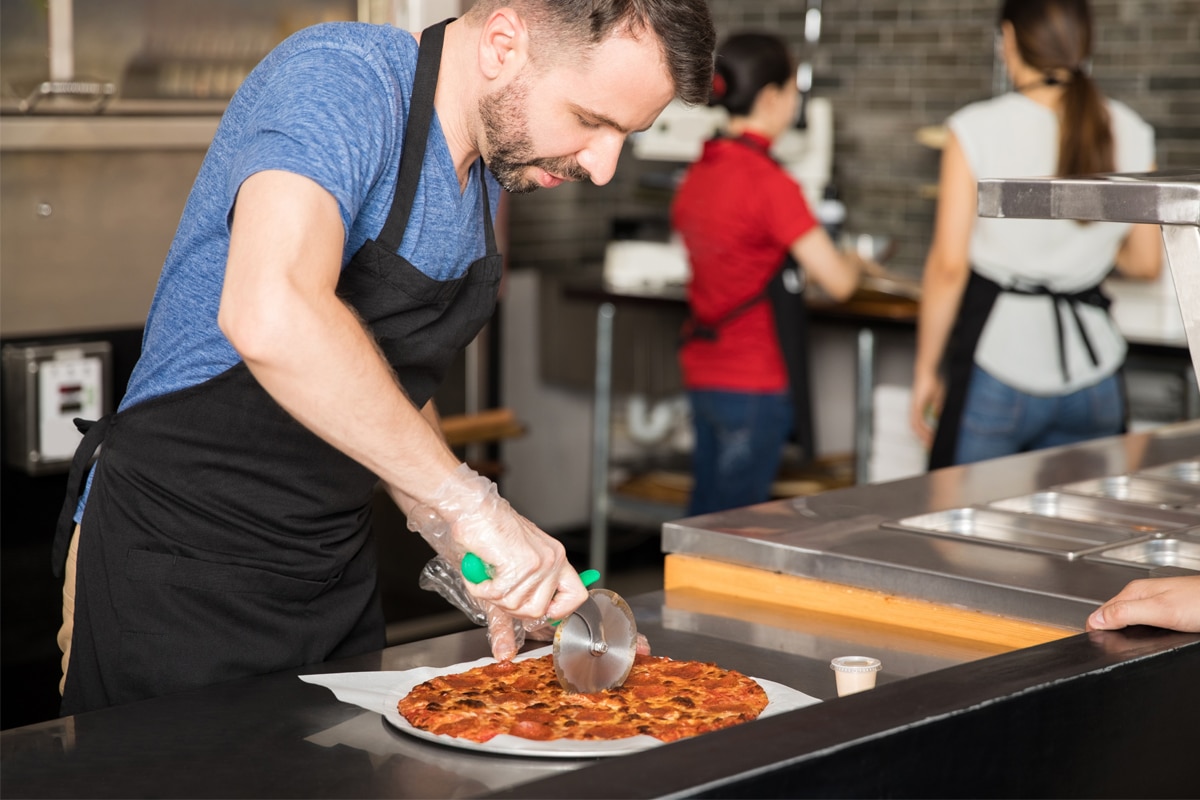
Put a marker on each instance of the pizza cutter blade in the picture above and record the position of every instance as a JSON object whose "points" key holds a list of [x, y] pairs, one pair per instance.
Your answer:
{"points": [[594, 648]]}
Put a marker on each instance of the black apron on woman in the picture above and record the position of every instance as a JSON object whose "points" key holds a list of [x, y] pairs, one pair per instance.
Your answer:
{"points": [[978, 299], [222, 538], [785, 293]]}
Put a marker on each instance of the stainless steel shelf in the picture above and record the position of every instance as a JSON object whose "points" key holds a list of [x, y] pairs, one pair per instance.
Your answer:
{"points": [[1170, 198], [1160, 198]]}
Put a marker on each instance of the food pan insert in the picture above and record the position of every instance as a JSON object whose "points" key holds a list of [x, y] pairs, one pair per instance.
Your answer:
{"points": [[1169, 552], [1133, 489], [1187, 471], [1137, 518], [1012, 529]]}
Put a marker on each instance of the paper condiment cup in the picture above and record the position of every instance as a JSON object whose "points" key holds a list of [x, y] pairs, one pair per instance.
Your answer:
{"points": [[855, 673]]}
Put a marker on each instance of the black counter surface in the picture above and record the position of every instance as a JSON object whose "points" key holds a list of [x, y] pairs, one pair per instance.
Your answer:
{"points": [[1105, 714]]}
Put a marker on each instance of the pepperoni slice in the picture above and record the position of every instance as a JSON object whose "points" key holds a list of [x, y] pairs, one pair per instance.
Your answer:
{"points": [[529, 729]]}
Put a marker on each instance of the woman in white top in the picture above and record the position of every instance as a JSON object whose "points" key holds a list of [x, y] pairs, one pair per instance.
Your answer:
{"points": [[1012, 309]]}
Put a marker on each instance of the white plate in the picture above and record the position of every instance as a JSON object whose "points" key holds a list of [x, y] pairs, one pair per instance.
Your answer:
{"points": [[780, 698]]}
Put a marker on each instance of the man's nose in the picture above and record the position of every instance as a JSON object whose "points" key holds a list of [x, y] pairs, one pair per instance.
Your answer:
{"points": [[600, 157]]}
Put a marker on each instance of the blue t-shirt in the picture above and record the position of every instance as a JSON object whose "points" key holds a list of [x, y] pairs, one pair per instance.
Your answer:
{"points": [[329, 103]]}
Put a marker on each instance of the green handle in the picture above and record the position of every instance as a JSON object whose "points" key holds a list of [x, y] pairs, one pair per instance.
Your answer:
{"points": [[474, 570]]}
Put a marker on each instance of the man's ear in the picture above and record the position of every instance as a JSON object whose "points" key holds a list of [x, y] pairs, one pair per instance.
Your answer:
{"points": [[503, 45]]}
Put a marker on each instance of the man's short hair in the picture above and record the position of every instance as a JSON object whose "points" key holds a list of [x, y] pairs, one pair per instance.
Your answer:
{"points": [[683, 28]]}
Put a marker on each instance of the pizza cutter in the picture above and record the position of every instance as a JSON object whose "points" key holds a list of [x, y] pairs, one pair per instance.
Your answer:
{"points": [[594, 648]]}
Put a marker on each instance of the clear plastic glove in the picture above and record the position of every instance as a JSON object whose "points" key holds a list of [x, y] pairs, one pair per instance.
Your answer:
{"points": [[505, 634], [530, 578]]}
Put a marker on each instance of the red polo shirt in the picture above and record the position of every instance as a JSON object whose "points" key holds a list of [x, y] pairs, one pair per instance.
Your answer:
{"points": [[738, 213]]}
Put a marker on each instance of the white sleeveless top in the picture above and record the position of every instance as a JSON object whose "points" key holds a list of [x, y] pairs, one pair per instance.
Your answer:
{"points": [[1011, 136]]}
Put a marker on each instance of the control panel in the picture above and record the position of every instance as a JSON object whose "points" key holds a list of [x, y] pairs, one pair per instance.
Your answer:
{"points": [[46, 388]]}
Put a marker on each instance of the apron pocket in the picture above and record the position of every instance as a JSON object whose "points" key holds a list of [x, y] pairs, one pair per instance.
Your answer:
{"points": [[192, 573]]}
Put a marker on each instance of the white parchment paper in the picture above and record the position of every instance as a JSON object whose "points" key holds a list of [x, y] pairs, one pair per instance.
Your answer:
{"points": [[381, 692]]}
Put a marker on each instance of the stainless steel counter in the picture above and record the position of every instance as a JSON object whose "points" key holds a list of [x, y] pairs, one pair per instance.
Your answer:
{"points": [[938, 723], [850, 536]]}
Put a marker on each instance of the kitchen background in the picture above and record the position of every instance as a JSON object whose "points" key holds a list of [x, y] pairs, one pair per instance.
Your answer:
{"points": [[83, 228], [891, 68]]}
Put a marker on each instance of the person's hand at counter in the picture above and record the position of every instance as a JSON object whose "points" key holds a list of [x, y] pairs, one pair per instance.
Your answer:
{"points": [[1172, 603]]}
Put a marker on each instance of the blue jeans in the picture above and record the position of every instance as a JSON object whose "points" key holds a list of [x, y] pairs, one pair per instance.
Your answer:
{"points": [[999, 420], [739, 441]]}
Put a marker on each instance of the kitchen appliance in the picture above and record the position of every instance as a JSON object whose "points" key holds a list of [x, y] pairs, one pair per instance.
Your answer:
{"points": [[46, 387], [804, 72], [680, 132]]}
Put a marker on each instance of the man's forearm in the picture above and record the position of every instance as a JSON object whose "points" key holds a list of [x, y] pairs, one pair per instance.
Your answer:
{"points": [[326, 372]]}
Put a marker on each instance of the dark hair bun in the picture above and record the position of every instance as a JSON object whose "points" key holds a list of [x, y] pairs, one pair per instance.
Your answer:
{"points": [[745, 63]]}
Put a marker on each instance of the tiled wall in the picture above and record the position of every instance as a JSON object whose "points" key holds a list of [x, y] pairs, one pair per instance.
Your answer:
{"points": [[891, 67]]}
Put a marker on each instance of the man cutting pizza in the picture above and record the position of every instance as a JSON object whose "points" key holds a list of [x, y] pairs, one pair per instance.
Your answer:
{"points": [[335, 253]]}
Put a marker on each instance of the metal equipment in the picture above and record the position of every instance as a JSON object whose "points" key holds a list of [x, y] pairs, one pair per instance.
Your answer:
{"points": [[1170, 198]]}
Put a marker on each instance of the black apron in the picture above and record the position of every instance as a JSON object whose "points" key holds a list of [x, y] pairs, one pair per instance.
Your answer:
{"points": [[785, 293], [978, 299], [222, 538]]}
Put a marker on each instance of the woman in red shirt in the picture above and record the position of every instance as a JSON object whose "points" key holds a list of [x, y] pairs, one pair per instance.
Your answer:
{"points": [[741, 216]]}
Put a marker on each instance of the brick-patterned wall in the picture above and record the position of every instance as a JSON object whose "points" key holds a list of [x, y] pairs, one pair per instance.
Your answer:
{"points": [[891, 67]]}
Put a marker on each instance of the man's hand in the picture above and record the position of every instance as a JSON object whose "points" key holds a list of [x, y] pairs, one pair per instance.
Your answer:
{"points": [[1172, 603], [529, 576]]}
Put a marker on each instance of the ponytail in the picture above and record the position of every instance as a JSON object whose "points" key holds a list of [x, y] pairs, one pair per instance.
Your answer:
{"points": [[1085, 142], [1055, 37]]}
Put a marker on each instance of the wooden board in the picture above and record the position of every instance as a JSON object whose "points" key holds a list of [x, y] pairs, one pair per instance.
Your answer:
{"points": [[486, 426], [683, 572]]}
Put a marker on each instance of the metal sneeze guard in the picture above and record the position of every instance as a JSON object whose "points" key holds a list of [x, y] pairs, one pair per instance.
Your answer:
{"points": [[1170, 198]]}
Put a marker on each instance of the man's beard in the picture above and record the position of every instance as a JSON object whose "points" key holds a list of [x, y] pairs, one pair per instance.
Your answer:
{"points": [[509, 146]]}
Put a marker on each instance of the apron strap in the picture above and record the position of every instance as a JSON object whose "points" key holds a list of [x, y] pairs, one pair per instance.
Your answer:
{"points": [[420, 115], [1093, 296], [416, 135], [93, 434], [710, 331], [973, 311], [788, 306], [489, 231]]}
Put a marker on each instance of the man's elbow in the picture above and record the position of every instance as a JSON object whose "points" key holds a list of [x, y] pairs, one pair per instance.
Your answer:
{"points": [[248, 328]]}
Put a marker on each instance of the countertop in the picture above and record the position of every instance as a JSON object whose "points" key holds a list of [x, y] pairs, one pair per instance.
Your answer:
{"points": [[967, 724], [866, 306], [1146, 312]]}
